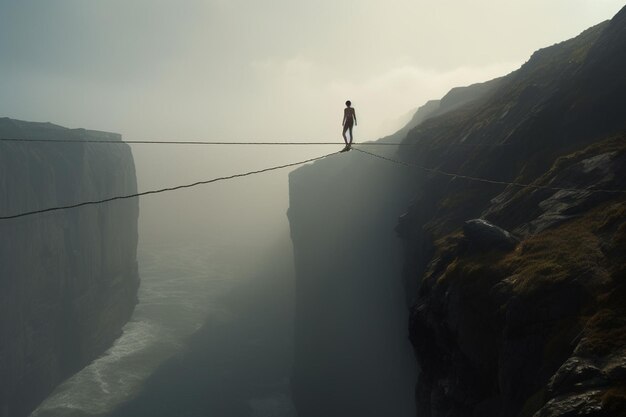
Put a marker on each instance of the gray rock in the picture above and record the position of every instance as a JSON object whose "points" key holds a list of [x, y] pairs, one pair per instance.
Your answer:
{"points": [[560, 207], [576, 372], [615, 368], [68, 279], [485, 235], [594, 172], [600, 163], [583, 404]]}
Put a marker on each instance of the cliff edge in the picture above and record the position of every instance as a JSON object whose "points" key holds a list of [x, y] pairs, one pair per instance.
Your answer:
{"points": [[352, 355], [514, 283], [68, 279]]}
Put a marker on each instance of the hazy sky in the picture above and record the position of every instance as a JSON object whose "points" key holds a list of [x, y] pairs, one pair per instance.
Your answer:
{"points": [[273, 70], [270, 69]]}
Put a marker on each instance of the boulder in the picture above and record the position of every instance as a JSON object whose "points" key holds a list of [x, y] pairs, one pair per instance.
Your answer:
{"points": [[485, 235]]}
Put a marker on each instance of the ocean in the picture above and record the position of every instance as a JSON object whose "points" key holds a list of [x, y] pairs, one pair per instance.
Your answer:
{"points": [[183, 287]]}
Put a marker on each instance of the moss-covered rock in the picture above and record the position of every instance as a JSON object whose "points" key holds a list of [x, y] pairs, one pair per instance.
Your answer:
{"points": [[536, 328]]}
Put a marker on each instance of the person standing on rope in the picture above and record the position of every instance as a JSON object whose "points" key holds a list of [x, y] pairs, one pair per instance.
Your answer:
{"points": [[349, 120]]}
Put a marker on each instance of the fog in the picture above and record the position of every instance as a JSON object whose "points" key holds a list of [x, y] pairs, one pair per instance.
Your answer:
{"points": [[254, 70], [233, 70]]}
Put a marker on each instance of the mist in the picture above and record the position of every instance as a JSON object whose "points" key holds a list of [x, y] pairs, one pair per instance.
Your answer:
{"points": [[232, 71], [235, 70]]}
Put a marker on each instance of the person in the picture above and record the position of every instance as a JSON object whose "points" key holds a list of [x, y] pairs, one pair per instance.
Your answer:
{"points": [[349, 120]]}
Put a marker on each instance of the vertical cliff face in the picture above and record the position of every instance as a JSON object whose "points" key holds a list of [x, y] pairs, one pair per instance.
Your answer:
{"points": [[351, 352], [352, 356], [528, 325], [68, 279]]}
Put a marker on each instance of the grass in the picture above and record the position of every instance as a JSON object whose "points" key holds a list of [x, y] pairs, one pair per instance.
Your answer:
{"points": [[581, 260], [570, 252], [605, 332], [575, 250]]}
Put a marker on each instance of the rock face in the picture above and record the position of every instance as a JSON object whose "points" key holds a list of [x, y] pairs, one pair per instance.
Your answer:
{"points": [[68, 279], [352, 356], [485, 236], [515, 293], [535, 327]]}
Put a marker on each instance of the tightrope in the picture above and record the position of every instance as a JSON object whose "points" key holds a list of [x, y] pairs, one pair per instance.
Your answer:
{"points": [[489, 181], [161, 190], [395, 161]]}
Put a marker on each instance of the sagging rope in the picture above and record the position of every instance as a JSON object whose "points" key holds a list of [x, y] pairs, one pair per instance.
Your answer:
{"points": [[413, 165], [486, 180], [161, 190]]}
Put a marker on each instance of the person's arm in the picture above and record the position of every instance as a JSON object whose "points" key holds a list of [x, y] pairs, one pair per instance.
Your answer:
{"points": [[354, 114], [345, 114]]}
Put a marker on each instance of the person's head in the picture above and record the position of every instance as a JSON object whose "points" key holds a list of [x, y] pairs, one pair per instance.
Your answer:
{"points": [[348, 103]]}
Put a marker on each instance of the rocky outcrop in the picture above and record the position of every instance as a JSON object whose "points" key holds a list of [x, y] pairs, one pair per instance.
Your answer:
{"points": [[535, 327], [483, 235], [352, 356], [68, 279], [514, 284]]}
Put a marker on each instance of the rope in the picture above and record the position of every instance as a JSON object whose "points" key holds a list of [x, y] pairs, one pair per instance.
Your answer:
{"points": [[245, 174], [489, 181], [245, 143], [162, 190]]}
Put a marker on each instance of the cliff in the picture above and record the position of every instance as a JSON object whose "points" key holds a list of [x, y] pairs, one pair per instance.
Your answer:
{"points": [[527, 323], [352, 355], [68, 279], [514, 294]]}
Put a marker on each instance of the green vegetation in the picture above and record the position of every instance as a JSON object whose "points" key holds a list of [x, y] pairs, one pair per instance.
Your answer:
{"points": [[605, 331], [578, 264], [512, 318]]}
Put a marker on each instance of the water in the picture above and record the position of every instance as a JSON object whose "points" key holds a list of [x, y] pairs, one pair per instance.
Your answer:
{"points": [[181, 285]]}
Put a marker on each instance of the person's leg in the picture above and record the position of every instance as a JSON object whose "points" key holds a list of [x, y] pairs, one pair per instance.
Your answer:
{"points": [[351, 137], [345, 129]]}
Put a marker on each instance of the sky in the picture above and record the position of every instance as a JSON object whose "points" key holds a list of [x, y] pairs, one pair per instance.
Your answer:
{"points": [[278, 69], [259, 70]]}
